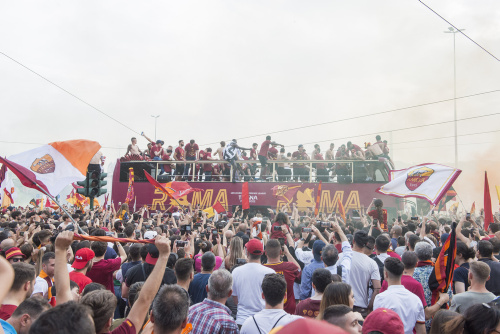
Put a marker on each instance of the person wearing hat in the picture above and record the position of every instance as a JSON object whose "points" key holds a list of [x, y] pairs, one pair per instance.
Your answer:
{"points": [[307, 272], [14, 255], [383, 320], [82, 264], [300, 169], [402, 301], [247, 282]]}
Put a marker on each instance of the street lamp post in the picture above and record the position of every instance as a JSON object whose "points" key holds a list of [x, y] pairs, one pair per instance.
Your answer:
{"points": [[454, 31], [156, 118]]}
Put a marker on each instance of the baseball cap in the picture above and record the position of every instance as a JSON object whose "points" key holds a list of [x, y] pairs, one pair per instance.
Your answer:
{"points": [[153, 254], [83, 256], [307, 326], [13, 251], [384, 321], [254, 246], [150, 234], [317, 249]]}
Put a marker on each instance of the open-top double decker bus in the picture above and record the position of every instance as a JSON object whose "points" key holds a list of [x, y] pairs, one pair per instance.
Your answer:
{"points": [[353, 182]]}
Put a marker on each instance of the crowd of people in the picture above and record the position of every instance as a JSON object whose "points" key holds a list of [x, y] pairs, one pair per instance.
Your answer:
{"points": [[269, 162], [243, 272]]}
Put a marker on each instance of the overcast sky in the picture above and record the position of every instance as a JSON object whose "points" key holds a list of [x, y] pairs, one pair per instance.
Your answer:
{"points": [[217, 70]]}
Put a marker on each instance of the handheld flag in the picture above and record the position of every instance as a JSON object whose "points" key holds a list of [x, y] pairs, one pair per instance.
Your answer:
{"points": [[488, 214], [130, 189], [245, 196], [318, 195], [218, 207], [442, 274], [473, 208], [53, 166], [498, 193], [449, 196], [426, 181], [341, 208]]}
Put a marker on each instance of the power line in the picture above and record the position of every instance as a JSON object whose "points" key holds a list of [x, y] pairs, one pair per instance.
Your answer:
{"points": [[364, 116], [401, 129], [68, 92], [470, 39], [436, 138], [25, 143]]}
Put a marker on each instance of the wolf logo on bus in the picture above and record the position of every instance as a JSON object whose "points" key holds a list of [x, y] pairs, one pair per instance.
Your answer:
{"points": [[418, 176]]}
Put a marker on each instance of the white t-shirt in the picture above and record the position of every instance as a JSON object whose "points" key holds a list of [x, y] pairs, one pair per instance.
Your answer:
{"points": [[41, 286], [266, 319], [405, 303], [247, 282], [363, 269]]}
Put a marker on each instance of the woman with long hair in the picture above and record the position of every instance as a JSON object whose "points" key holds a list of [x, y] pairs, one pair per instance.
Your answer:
{"points": [[477, 319], [441, 319], [460, 275], [235, 252], [280, 224], [336, 293]]}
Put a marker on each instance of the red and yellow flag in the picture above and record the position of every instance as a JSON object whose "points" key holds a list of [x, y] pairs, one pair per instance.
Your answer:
{"points": [[341, 208], [318, 195], [488, 214], [473, 208], [130, 189]]}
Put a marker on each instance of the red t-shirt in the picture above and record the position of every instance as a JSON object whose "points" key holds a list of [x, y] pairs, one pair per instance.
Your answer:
{"points": [[272, 153], [167, 167], [102, 272], [253, 154], [264, 148], [79, 279], [339, 247], [191, 150], [127, 327], [6, 311], [410, 284], [393, 254], [279, 233], [156, 151], [383, 222], [290, 271], [308, 308], [299, 156], [319, 156], [179, 153], [206, 156]]}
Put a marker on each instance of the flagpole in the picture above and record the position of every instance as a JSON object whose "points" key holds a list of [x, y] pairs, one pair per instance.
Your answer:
{"points": [[62, 208], [175, 199]]}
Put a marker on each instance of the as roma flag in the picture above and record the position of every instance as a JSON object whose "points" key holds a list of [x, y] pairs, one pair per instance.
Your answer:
{"points": [[442, 274], [130, 188], [488, 214]]}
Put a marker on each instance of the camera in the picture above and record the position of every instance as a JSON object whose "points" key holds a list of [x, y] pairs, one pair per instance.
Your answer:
{"points": [[306, 229], [414, 218], [241, 261], [276, 228], [137, 234], [325, 224], [180, 243], [399, 219], [248, 231], [467, 216], [215, 233], [375, 221], [282, 241]]}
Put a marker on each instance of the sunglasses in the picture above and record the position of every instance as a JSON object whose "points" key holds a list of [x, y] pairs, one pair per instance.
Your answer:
{"points": [[16, 259]]}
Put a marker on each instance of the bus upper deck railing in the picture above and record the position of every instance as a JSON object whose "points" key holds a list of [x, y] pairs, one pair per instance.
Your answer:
{"points": [[336, 171]]}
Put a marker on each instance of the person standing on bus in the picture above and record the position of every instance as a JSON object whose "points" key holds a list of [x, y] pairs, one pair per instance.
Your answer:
{"points": [[300, 169], [191, 153], [272, 154], [264, 148], [179, 155], [321, 171]]}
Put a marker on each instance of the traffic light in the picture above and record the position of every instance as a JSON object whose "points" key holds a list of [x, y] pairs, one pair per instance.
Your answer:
{"points": [[85, 191], [96, 183]]}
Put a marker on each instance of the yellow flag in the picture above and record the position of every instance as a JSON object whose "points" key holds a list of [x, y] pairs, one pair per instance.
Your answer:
{"points": [[498, 193], [210, 212]]}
